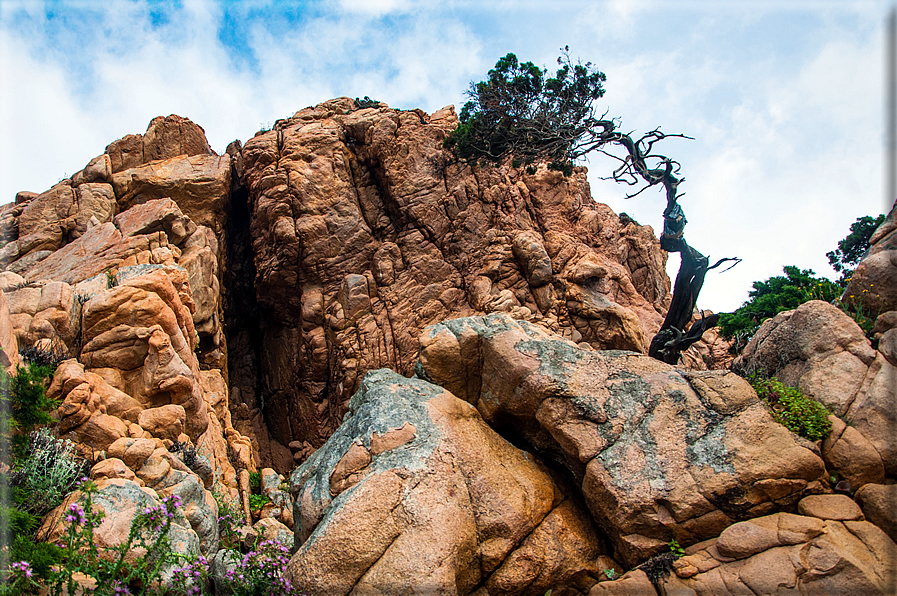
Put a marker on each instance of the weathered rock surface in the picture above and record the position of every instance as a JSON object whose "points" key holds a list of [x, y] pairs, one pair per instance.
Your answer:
{"points": [[659, 453], [165, 138], [415, 494], [821, 350], [815, 347], [364, 233], [9, 347], [121, 500], [879, 503], [328, 245], [788, 554], [117, 268]]}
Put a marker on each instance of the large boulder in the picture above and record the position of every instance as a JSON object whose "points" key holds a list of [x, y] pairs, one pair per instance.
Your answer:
{"points": [[816, 347], [121, 500], [659, 453], [199, 184], [821, 350], [165, 137], [415, 494], [879, 503], [44, 310]]}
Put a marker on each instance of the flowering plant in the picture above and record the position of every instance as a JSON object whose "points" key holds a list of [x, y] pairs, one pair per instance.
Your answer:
{"points": [[144, 564], [114, 574], [260, 572]]}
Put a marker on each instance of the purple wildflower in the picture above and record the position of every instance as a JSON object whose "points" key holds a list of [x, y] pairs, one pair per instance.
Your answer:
{"points": [[76, 515]]}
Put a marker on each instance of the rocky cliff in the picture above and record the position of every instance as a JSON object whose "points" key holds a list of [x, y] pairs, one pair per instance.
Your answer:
{"points": [[364, 232], [230, 306]]}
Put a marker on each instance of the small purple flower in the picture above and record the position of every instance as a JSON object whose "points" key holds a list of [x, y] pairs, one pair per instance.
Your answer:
{"points": [[24, 567], [76, 515]]}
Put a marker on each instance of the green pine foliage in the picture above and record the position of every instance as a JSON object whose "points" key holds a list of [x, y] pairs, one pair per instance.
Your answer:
{"points": [[791, 408], [25, 398], [852, 248], [524, 112]]}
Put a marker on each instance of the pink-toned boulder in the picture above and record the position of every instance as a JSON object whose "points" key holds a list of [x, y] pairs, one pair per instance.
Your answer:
{"points": [[631, 430], [97, 252], [873, 286], [154, 216], [164, 422], [873, 414], [446, 509], [816, 347], [165, 137], [121, 500], [95, 205], [788, 554], [879, 504], [9, 349], [835, 507], [44, 222], [98, 169], [87, 403], [199, 184], [852, 455], [112, 468], [132, 451]]}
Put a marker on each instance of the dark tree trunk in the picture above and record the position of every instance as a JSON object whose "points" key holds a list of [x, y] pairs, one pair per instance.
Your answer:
{"points": [[672, 338]]}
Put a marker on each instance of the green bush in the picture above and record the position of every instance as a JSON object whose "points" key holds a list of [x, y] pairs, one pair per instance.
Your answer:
{"points": [[523, 112], [255, 482], [24, 397], [777, 294], [852, 248], [256, 502], [367, 102], [791, 408]]}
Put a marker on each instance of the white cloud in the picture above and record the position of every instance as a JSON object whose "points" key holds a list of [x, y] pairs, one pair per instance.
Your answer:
{"points": [[376, 8]]}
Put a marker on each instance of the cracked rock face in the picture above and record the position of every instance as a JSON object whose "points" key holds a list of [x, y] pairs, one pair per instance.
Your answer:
{"points": [[364, 233], [414, 492], [659, 453]]}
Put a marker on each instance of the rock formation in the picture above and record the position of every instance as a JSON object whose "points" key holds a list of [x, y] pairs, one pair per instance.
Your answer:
{"points": [[658, 454], [364, 232], [827, 549], [873, 286], [214, 315], [115, 270], [821, 350]]}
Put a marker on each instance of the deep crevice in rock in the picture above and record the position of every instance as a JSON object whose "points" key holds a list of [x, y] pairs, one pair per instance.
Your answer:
{"points": [[242, 318]]}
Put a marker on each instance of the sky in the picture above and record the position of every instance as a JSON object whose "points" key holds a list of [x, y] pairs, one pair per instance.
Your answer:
{"points": [[784, 99]]}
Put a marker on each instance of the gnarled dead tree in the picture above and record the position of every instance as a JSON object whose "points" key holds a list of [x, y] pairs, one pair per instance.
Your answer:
{"points": [[635, 170]]}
